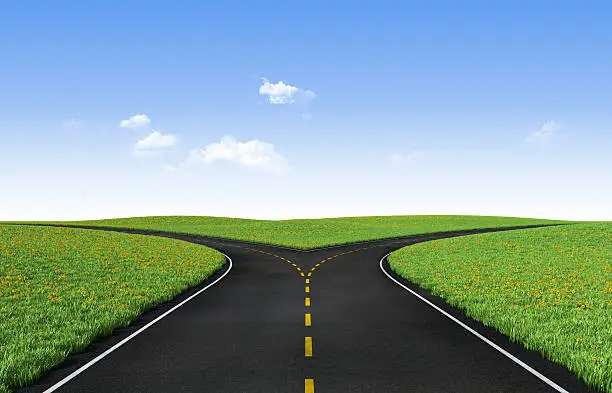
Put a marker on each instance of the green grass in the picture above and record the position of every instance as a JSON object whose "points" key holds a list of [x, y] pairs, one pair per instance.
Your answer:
{"points": [[62, 288], [549, 288], [312, 233]]}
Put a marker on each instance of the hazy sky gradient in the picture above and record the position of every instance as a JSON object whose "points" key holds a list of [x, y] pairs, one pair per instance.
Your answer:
{"points": [[429, 107]]}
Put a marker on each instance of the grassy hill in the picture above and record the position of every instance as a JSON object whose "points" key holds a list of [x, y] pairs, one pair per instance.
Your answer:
{"points": [[311, 233], [61, 288], [548, 288]]}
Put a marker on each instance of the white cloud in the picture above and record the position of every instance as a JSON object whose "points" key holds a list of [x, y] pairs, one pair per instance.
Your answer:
{"points": [[280, 93], [253, 153], [154, 142], [136, 121], [399, 158], [544, 133]]}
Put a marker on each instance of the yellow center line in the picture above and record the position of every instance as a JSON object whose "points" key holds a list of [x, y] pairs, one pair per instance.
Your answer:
{"points": [[309, 385], [307, 320], [308, 346], [307, 302], [307, 289]]}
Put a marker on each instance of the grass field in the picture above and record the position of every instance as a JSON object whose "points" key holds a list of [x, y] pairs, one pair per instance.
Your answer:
{"points": [[312, 233], [549, 288], [62, 288]]}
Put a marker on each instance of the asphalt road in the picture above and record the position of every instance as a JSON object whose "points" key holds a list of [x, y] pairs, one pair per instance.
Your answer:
{"points": [[250, 333]]}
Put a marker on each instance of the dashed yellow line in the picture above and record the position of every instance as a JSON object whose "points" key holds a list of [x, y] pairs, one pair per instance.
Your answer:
{"points": [[308, 382], [279, 257], [309, 385], [308, 346]]}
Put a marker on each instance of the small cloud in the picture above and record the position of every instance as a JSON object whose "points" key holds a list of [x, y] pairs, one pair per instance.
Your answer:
{"points": [[71, 124], [280, 93], [253, 153], [544, 133], [399, 158], [136, 121], [154, 142], [305, 95]]}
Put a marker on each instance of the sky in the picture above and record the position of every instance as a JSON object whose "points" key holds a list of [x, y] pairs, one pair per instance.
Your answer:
{"points": [[279, 110]]}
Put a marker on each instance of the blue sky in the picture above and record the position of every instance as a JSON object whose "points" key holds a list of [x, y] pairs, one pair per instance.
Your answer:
{"points": [[312, 109]]}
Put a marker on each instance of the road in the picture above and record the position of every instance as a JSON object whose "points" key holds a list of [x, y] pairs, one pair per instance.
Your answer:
{"points": [[278, 322]]}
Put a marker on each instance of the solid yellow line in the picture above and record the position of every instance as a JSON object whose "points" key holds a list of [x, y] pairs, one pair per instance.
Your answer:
{"points": [[308, 346], [307, 301], [309, 385], [308, 281], [307, 289], [307, 320]]}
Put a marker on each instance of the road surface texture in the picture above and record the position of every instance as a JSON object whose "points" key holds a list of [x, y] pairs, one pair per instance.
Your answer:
{"points": [[277, 322]]}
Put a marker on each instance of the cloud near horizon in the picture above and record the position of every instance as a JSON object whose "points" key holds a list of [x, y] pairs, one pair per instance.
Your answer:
{"points": [[136, 121], [544, 133], [155, 142], [253, 153]]}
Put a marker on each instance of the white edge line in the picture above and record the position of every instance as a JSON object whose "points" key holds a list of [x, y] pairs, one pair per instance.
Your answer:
{"points": [[131, 336], [469, 329]]}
